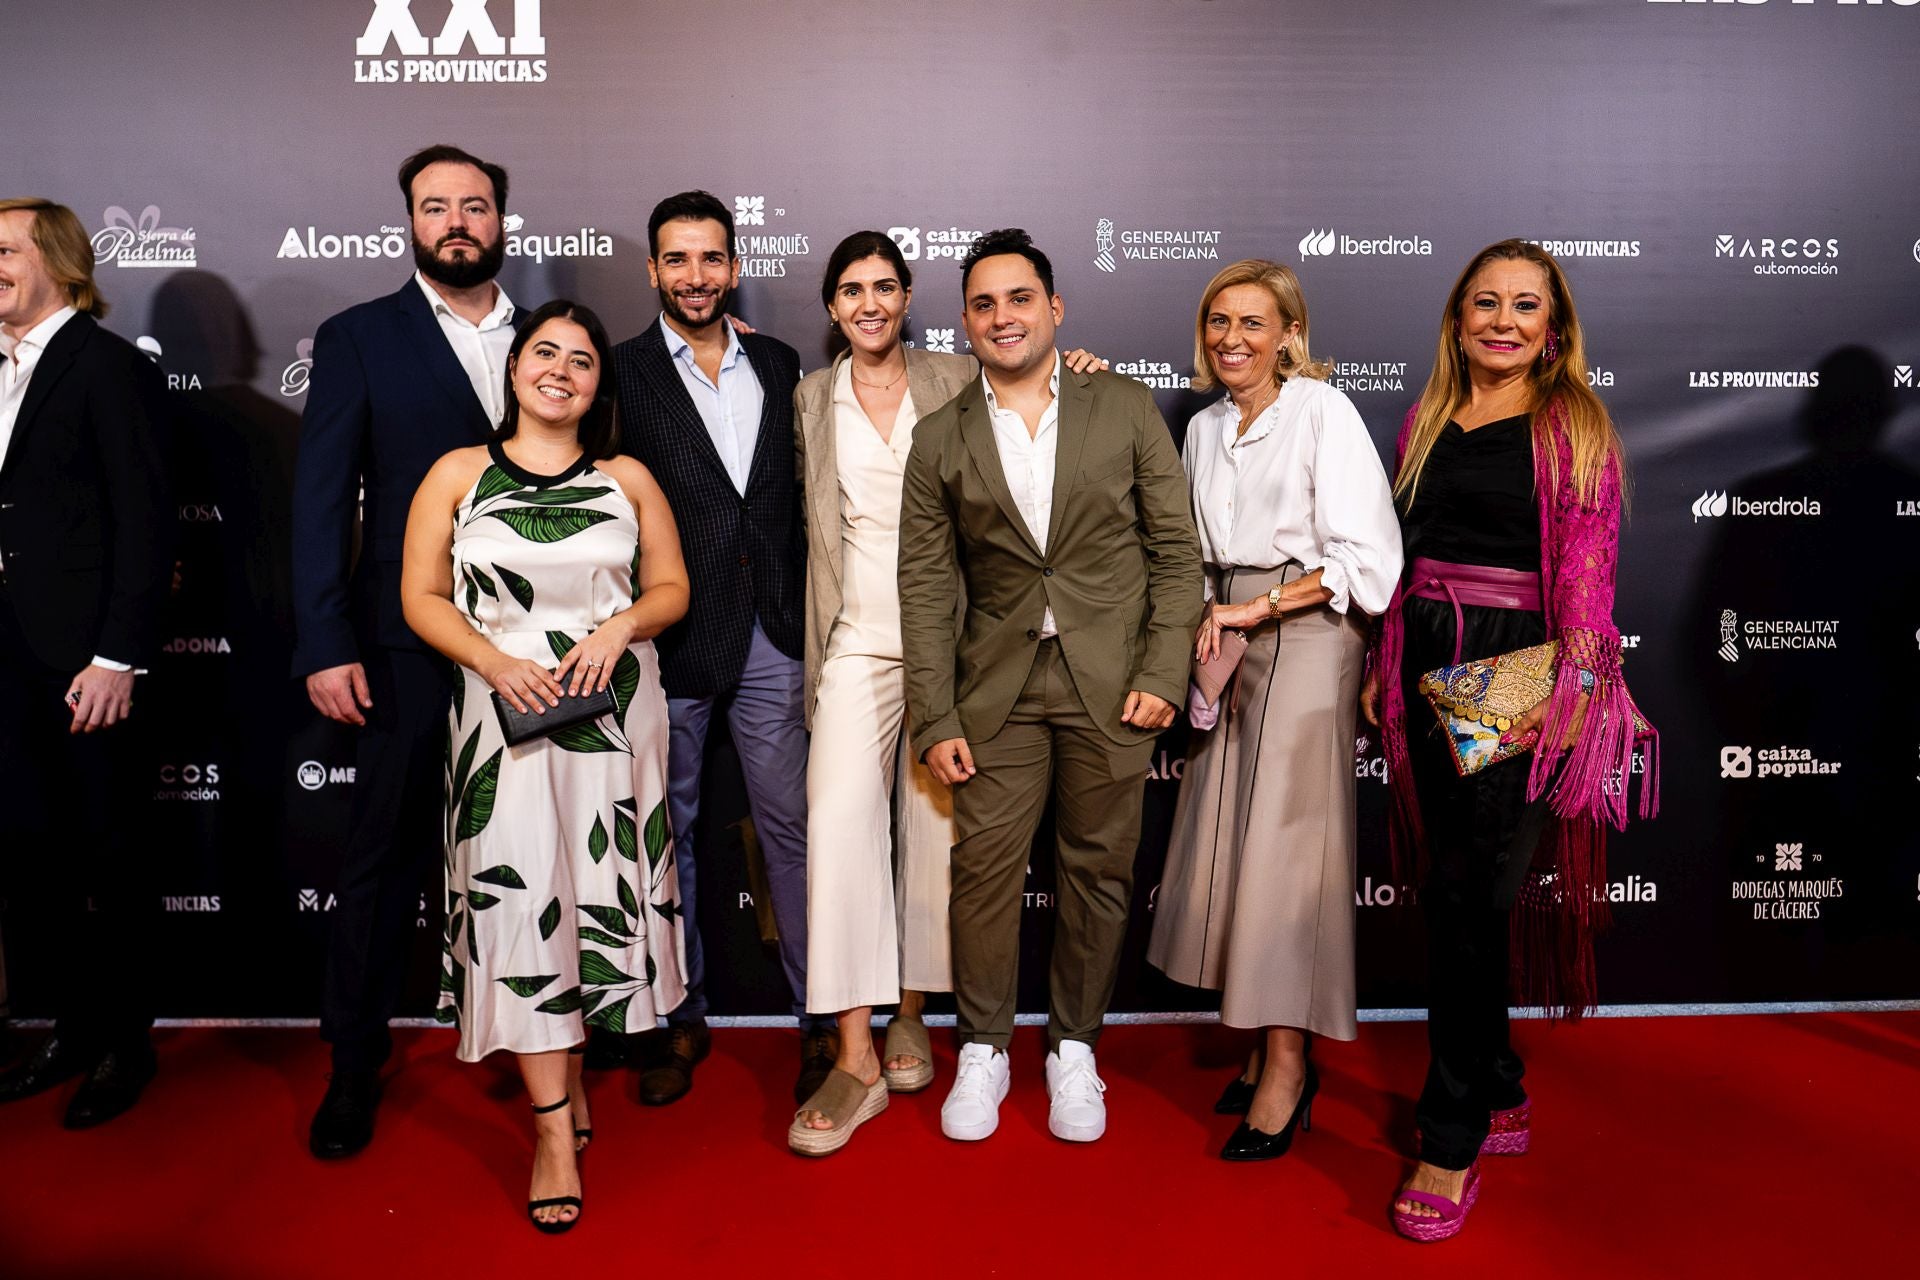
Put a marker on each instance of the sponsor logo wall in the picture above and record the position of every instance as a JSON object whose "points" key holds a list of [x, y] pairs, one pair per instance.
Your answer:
{"points": [[1768, 574]]}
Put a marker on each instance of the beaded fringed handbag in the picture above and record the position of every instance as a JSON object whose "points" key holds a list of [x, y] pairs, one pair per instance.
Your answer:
{"points": [[1480, 700]]}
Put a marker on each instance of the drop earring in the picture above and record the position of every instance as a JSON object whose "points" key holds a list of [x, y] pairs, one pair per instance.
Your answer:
{"points": [[1552, 349]]}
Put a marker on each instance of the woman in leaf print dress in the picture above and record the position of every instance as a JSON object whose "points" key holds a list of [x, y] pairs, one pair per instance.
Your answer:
{"points": [[544, 565]]}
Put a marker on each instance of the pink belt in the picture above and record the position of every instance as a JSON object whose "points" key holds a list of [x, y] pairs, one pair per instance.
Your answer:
{"points": [[1476, 584]]}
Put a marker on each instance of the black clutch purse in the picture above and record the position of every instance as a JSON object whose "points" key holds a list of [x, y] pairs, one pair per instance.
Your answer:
{"points": [[525, 726]]}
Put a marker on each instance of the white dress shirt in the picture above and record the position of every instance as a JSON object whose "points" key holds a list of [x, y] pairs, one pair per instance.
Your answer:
{"points": [[1028, 463], [730, 410], [1304, 483], [481, 348], [22, 354]]}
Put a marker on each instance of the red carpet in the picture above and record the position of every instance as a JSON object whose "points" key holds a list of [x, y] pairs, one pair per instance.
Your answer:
{"points": [[1664, 1147]]}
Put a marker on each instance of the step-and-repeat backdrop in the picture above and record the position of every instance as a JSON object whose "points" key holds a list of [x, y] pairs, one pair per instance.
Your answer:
{"points": [[1729, 186]]}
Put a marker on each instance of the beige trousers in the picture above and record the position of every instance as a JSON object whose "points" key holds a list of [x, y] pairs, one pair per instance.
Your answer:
{"points": [[876, 910]]}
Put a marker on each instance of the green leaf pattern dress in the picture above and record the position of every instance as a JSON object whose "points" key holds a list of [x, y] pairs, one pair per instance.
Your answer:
{"points": [[563, 909]]}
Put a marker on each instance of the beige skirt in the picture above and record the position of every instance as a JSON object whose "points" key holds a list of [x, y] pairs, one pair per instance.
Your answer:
{"points": [[1257, 897]]}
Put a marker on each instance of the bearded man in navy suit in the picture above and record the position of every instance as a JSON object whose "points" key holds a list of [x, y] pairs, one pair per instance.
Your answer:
{"points": [[396, 383]]}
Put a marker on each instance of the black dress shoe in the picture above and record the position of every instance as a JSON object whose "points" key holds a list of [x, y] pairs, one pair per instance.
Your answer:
{"points": [[687, 1045], [112, 1087], [56, 1061], [1235, 1098], [344, 1123], [607, 1051], [819, 1050], [1249, 1143]]}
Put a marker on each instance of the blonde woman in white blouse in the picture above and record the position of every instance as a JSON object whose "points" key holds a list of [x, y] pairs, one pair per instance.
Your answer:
{"points": [[1297, 527]]}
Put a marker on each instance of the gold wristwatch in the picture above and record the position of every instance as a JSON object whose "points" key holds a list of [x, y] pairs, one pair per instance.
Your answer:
{"points": [[1273, 600]]}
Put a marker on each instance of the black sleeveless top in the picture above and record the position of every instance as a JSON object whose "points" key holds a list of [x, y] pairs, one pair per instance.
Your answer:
{"points": [[1475, 503]]}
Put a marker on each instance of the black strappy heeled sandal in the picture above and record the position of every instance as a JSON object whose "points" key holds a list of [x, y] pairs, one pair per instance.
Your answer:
{"points": [[533, 1206], [581, 1136]]}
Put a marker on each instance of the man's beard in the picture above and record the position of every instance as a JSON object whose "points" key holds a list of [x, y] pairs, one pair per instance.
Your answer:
{"points": [[466, 272], [671, 305]]}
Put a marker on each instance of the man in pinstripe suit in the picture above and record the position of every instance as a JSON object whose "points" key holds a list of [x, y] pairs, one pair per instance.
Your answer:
{"points": [[710, 412]]}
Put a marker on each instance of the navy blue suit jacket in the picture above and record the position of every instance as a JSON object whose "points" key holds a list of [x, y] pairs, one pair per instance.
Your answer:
{"points": [[745, 555], [387, 398]]}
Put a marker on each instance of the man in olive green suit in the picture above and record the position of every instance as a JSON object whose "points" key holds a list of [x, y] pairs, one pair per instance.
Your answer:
{"points": [[1055, 506]]}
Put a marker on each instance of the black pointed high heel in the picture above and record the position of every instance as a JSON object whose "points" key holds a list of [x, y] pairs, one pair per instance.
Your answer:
{"points": [[533, 1206], [1249, 1143]]}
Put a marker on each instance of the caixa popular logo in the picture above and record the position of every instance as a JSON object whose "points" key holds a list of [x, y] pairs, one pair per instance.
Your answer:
{"points": [[312, 775], [127, 241], [950, 242], [516, 56]]}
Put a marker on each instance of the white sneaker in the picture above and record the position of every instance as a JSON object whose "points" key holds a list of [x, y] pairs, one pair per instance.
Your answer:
{"points": [[972, 1109], [1078, 1113]]}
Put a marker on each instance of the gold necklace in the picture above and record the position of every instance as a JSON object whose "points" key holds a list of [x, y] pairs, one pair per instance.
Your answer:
{"points": [[879, 386], [1248, 419]]}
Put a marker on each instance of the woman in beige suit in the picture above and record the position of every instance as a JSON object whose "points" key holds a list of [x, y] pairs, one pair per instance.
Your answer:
{"points": [[1301, 543], [877, 923]]}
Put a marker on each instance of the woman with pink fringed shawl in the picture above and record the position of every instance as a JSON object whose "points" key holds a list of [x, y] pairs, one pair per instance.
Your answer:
{"points": [[1509, 482]]}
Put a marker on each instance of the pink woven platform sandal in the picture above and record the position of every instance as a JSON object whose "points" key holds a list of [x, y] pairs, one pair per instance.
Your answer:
{"points": [[1452, 1216], [1509, 1133]]}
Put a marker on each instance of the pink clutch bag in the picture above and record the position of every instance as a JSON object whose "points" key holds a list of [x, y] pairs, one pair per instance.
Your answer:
{"points": [[1215, 674]]}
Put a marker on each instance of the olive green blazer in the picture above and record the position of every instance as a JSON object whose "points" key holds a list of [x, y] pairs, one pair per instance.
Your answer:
{"points": [[1122, 569], [932, 380]]}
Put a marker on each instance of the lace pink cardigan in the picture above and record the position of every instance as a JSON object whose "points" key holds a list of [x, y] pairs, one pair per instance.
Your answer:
{"points": [[1586, 785]]}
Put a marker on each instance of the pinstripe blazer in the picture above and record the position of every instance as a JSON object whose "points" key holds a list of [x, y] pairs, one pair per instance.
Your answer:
{"points": [[746, 557]]}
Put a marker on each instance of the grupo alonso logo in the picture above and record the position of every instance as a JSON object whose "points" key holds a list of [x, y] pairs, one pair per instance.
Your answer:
{"points": [[501, 59], [127, 241], [294, 378]]}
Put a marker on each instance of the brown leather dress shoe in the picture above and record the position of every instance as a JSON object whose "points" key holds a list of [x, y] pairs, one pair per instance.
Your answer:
{"points": [[819, 1050], [687, 1045]]}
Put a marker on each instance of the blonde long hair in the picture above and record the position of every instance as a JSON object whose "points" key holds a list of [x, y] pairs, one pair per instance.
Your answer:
{"points": [[1278, 279], [66, 248], [1560, 398]]}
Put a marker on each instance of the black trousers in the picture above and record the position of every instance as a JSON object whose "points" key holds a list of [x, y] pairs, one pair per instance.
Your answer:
{"points": [[72, 806], [393, 854], [1481, 835]]}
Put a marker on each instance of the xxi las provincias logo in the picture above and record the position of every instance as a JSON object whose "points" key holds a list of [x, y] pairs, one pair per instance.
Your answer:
{"points": [[516, 57]]}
